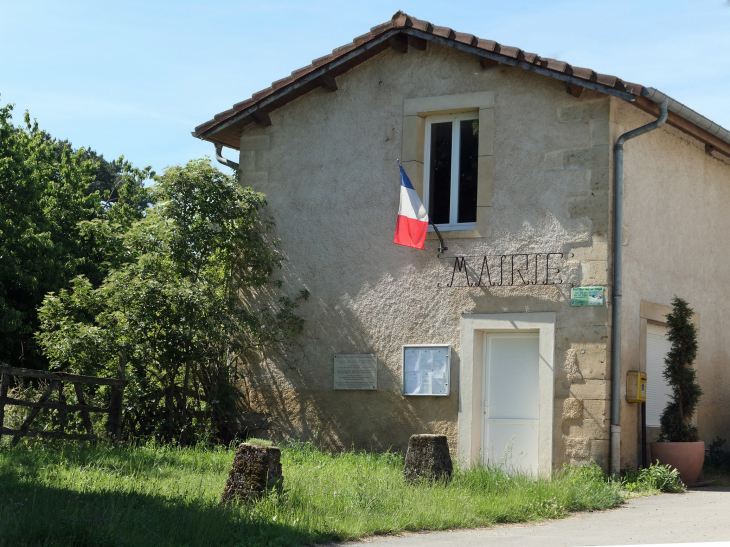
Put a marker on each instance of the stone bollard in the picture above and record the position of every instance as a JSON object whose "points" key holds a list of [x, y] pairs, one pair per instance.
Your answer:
{"points": [[255, 469], [428, 458]]}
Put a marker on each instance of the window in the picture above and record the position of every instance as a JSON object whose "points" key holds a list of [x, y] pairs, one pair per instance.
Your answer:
{"points": [[450, 174]]}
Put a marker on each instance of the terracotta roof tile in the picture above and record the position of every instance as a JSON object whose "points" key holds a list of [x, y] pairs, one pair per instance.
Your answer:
{"points": [[263, 93], [488, 45], [377, 29], [509, 51], [362, 38], [444, 32], [281, 83], [301, 71], [344, 49], [244, 104], [322, 60], [418, 24], [400, 19], [606, 79], [583, 73], [466, 38], [224, 114]]}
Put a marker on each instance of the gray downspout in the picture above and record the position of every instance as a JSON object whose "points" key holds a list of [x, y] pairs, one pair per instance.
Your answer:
{"points": [[617, 263], [218, 155]]}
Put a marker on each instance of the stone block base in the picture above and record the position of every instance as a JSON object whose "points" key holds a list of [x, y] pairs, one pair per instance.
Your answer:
{"points": [[428, 458], [255, 469]]}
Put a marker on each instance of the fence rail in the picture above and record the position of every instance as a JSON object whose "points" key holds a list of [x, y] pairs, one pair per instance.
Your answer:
{"points": [[57, 382]]}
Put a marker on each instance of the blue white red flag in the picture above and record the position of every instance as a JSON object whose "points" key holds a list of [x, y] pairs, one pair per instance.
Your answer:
{"points": [[412, 224]]}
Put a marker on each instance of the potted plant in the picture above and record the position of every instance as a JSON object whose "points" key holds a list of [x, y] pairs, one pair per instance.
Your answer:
{"points": [[679, 444]]}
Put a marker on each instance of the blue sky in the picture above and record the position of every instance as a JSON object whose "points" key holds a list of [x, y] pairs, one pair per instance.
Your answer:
{"points": [[135, 78]]}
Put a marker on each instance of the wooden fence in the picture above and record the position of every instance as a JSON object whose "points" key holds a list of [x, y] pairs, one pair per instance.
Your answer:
{"points": [[56, 382]]}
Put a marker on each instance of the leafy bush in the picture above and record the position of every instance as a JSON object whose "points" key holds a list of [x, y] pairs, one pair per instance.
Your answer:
{"points": [[718, 457], [48, 190], [171, 314], [655, 477]]}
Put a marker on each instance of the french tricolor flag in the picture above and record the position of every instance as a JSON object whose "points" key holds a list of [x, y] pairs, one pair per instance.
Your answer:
{"points": [[410, 230]]}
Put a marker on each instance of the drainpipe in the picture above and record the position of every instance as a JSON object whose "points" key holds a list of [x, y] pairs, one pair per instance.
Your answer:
{"points": [[218, 155], [618, 150]]}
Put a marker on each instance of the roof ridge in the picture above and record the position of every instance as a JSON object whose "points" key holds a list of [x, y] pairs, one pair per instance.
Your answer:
{"points": [[401, 20]]}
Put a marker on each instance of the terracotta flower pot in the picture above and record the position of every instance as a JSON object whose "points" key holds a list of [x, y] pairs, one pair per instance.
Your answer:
{"points": [[687, 458]]}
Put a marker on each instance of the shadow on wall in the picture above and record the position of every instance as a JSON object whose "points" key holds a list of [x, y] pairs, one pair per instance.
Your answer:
{"points": [[295, 391]]}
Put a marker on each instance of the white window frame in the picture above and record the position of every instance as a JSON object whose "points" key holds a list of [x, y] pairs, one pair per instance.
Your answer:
{"points": [[456, 120]]}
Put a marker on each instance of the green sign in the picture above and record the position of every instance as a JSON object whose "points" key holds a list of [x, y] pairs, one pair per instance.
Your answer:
{"points": [[586, 296]]}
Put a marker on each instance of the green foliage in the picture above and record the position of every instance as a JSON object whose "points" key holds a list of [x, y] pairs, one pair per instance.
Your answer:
{"points": [[655, 477], [65, 494], [171, 306], [46, 190], [718, 457], [681, 377]]}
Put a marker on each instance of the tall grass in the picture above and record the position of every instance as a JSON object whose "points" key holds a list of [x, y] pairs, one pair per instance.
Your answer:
{"points": [[75, 495]]}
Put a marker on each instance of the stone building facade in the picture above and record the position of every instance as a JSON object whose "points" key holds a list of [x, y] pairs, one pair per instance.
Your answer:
{"points": [[323, 146]]}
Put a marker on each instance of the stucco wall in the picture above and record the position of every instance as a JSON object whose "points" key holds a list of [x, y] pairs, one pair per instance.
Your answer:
{"points": [[676, 203], [328, 167]]}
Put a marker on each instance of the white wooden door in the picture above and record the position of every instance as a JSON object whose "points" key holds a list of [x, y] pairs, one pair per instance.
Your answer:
{"points": [[511, 401], [658, 393]]}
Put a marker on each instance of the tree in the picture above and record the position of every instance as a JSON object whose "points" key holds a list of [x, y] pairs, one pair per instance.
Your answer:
{"points": [[175, 304], [681, 377], [47, 192]]}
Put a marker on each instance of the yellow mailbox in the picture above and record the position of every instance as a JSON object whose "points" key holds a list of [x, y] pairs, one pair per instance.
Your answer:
{"points": [[636, 386]]}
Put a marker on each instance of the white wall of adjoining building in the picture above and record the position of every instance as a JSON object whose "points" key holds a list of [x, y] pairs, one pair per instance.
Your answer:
{"points": [[676, 204]]}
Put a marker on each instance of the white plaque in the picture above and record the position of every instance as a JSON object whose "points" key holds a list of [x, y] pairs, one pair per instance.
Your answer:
{"points": [[427, 369], [356, 371]]}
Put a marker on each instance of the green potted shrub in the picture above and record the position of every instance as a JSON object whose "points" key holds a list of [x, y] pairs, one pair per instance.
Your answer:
{"points": [[679, 445]]}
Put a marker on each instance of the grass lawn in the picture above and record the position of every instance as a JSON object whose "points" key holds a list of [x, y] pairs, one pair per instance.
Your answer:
{"points": [[76, 495]]}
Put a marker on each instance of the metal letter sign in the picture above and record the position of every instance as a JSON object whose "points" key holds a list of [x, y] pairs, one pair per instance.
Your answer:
{"points": [[506, 270], [587, 296]]}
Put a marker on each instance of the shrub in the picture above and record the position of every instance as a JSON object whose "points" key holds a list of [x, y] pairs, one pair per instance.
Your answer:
{"points": [[655, 477], [678, 371], [718, 457]]}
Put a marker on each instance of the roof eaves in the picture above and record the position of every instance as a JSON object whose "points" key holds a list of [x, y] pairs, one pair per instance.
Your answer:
{"points": [[554, 69], [253, 104]]}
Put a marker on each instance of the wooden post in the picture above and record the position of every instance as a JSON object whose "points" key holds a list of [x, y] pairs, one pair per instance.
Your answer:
{"points": [[84, 413], [62, 414], [184, 433], [4, 379], [114, 422]]}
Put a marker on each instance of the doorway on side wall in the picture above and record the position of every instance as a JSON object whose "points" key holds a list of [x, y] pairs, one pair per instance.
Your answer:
{"points": [[511, 401], [658, 392]]}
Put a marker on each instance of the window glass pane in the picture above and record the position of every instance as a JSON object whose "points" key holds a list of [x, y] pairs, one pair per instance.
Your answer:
{"points": [[439, 192], [468, 160]]}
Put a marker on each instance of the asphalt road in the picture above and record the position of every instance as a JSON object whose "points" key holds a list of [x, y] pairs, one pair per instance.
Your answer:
{"points": [[696, 517]]}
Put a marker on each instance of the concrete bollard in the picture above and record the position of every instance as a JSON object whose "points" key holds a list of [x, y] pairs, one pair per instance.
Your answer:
{"points": [[428, 458], [255, 469]]}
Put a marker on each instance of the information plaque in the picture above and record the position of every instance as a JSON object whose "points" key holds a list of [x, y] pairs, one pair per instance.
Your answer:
{"points": [[427, 369], [587, 296], [356, 371]]}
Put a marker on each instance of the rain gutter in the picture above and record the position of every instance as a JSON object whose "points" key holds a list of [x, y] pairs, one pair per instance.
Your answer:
{"points": [[663, 102], [218, 155]]}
